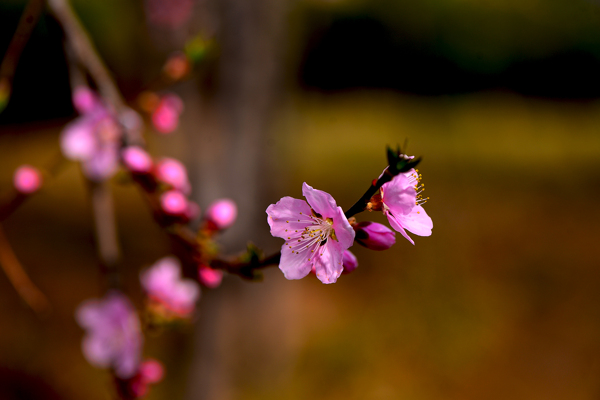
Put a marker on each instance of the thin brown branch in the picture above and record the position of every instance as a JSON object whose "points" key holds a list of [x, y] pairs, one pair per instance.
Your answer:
{"points": [[28, 21], [80, 42], [19, 278]]}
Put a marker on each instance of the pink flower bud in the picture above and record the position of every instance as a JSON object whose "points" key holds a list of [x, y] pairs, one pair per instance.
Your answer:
{"points": [[78, 141], [222, 213], [136, 159], [173, 172], [374, 236], [174, 202], [165, 117], [84, 99], [27, 179], [151, 371], [349, 262], [211, 278]]}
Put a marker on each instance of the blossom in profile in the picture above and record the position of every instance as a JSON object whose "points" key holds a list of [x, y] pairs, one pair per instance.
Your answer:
{"points": [[374, 236], [222, 213], [349, 261], [163, 284], [211, 278], [316, 233], [173, 173], [27, 179], [165, 116], [113, 338], [136, 159], [402, 204]]}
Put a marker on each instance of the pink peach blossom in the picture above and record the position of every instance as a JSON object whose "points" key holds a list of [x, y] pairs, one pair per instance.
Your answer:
{"points": [[222, 213], [402, 205], [211, 278], [174, 202], [165, 116], [374, 236], [136, 159], [113, 337], [174, 173], [349, 261], [316, 233], [164, 284]]}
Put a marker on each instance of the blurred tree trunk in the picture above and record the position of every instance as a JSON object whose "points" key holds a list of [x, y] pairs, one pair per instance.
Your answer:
{"points": [[229, 131]]}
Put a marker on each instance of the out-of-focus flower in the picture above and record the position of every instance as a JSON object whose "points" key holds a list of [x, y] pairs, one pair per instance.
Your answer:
{"points": [[165, 116], [85, 100], [349, 261], [136, 159], [222, 213], [402, 201], [173, 172], [177, 66], [374, 236], [94, 138], [113, 337], [164, 284], [211, 278], [27, 179], [316, 233]]}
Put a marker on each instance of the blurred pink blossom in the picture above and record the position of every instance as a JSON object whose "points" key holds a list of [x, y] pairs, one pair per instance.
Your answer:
{"points": [[165, 116], [316, 233], [168, 13], [402, 205], [222, 213], [163, 283], [27, 179], [85, 100], [211, 278], [113, 337], [151, 371], [136, 159], [174, 173]]}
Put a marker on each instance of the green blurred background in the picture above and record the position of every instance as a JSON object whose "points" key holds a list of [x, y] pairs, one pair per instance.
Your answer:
{"points": [[501, 98]]}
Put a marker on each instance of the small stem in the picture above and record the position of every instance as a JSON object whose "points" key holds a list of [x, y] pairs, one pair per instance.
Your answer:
{"points": [[106, 231], [28, 21], [361, 204], [19, 278]]}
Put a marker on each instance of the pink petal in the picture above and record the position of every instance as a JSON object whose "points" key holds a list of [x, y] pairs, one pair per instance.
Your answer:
{"points": [[320, 201], [284, 215], [349, 261], [77, 140], [399, 195], [343, 230], [417, 222], [294, 266], [397, 226], [328, 265]]}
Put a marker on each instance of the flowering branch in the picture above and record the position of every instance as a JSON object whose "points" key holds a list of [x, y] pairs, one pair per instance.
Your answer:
{"points": [[397, 163], [19, 278], [28, 21]]}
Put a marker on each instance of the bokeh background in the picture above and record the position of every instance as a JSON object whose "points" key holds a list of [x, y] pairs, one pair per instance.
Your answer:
{"points": [[501, 98]]}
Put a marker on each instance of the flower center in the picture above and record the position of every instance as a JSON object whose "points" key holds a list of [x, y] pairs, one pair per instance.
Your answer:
{"points": [[309, 233]]}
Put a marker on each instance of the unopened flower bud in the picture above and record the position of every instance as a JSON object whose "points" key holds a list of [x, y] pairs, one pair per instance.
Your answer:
{"points": [[374, 236], [152, 371], [165, 117], [27, 179], [173, 172], [211, 278], [136, 159], [222, 213], [174, 202], [84, 99], [349, 261]]}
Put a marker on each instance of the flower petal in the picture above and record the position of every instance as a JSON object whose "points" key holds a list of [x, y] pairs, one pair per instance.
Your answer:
{"points": [[320, 201], [399, 194], [284, 213], [328, 265], [343, 231], [293, 265], [417, 222], [397, 226]]}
